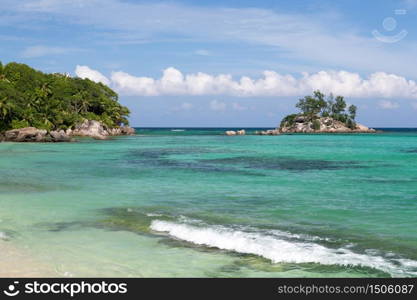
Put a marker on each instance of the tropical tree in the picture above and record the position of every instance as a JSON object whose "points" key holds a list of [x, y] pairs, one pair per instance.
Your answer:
{"points": [[352, 111], [312, 105], [32, 98], [318, 105], [6, 112]]}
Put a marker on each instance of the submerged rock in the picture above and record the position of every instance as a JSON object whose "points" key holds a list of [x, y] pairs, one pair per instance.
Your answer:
{"points": [[129, 219]]}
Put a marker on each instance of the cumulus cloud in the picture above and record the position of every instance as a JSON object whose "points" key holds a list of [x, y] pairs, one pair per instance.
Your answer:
{"points": [[270, 84], [217, 105], [96, 76], [385, 104]]}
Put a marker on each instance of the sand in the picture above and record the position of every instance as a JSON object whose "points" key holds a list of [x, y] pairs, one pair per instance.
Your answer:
{"points": [[15, 262]]}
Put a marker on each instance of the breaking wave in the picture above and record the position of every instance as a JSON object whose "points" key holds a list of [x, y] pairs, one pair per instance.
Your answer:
{"points": [[281, 247]]}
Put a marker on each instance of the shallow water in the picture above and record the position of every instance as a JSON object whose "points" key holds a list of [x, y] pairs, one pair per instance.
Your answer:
{"points": [[194, 203]]}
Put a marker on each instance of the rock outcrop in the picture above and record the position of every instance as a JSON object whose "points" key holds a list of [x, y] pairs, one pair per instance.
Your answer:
{"points": [[302, 124], [238, 132], [88, 128], [60, 136], [97, 130], [32, 134], [268, 132]]}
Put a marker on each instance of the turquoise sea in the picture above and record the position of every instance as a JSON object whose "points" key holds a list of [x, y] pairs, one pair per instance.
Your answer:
{"points": [[195, 203]]}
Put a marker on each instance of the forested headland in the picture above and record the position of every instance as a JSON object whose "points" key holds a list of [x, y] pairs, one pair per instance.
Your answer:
{"points": [[30, 98]]}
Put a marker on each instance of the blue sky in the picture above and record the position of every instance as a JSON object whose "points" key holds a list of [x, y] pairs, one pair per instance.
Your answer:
{"points": [[225, 63]]}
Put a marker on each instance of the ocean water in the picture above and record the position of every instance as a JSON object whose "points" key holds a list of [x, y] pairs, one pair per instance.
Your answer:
{"points": [[194, 203]]}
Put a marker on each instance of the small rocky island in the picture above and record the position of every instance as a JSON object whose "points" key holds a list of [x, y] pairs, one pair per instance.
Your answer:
{"points": [[318, 114], [40, 107], [321, 114]]}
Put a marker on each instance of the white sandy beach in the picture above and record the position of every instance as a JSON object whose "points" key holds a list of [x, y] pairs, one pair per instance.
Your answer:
{"points": [[15, 262]]}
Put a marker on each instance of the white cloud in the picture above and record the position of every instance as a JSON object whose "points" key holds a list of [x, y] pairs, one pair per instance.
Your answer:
{"points": [[217, 105], [131, 85], [323, 38], [96, 76], [385, 104], [38, 51], [270, 84]]}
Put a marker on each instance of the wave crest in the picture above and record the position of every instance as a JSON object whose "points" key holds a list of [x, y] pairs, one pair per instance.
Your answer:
{"points": [[279, 250]]}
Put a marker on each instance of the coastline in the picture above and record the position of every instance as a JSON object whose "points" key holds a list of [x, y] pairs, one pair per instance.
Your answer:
{"points": [[79, 227], [88, 128]]}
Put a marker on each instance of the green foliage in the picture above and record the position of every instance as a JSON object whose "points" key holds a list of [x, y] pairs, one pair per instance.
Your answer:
{"points": [[316, 124], [318, 105], [312, 105], [339, 106], [352, 111], [54, 101], [16, 124], [288, 120], [351, 123]]}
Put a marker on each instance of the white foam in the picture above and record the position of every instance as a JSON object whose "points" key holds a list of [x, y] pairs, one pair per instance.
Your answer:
{"points": [[154, 215], [3, 236], [278, 249]]}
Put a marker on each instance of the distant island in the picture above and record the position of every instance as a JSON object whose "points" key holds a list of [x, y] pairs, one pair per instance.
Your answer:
{"points": [[40, 107], [321, 114], [318, 114]]}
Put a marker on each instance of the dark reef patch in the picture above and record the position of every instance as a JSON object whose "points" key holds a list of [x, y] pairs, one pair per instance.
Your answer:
{"points": [[160, 158], [157, 153], [410, 150], [258, 263], [284, 163], [64, 226], [391, 181], [127, 219], [243, 165]]}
